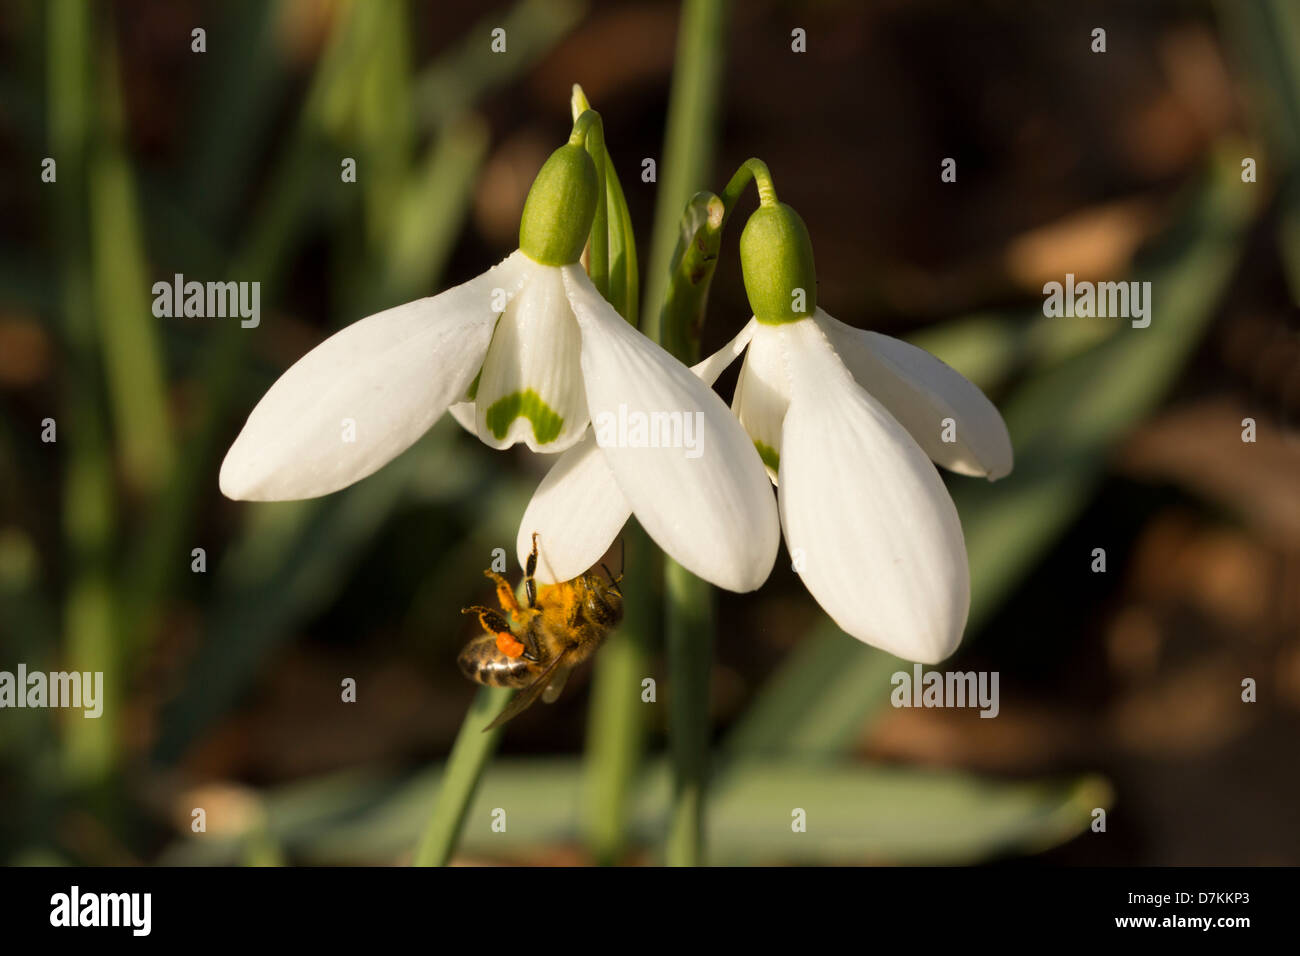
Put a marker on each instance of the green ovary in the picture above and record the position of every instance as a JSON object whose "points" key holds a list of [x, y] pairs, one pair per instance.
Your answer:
{"points": [[546, 422], [771, 457]]}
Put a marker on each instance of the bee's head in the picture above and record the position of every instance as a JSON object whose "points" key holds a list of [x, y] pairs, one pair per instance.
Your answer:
{"points": [[603, 600]]}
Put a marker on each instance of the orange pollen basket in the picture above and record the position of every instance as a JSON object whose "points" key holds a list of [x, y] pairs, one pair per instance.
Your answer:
{"points": [[508, 646]]}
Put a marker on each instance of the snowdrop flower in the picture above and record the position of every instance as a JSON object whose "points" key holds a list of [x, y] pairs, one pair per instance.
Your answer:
{"points": [[527, 352], [847, 423]]}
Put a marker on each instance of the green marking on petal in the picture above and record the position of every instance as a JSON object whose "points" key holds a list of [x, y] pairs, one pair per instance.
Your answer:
{"points": [[771, 457], [526, 404]]}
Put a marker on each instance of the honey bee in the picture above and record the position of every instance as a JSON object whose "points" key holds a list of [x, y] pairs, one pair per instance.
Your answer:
{"points": [[534, 647]]}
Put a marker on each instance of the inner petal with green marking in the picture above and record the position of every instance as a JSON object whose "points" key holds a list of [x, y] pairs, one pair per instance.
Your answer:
{"points": [[531, 387], [771, 457], [763, 394], [546, 422]]}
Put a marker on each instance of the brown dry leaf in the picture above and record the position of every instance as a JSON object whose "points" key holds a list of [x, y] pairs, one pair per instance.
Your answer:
{"points": [[1133, 643], [312, 730], [1194, 711], [1169, 131], [304, 26], [230, 809], [24, 353], [1288, 674], [1097, 243], [619, 48], [503, 185], [1023, 738], [1198, 77], [1265, 350], [1198, 445]]}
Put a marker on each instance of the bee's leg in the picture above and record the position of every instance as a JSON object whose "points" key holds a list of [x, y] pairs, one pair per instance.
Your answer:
{"points": [[494, 624], [505, 594], [530, 640], [530, 586]]}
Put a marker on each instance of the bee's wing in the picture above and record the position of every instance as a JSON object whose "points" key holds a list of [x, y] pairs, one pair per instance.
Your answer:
{"points": [[556, 686], [528, 696]]}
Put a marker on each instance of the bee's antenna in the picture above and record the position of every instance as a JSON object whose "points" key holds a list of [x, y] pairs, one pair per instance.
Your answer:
{"points": [[613, 582], [622, 556]]}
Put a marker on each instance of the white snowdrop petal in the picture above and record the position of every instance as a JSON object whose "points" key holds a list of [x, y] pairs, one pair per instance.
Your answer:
{"points": [[708, 370], [763, 394], [365, 394], [466, 416], [870, 526], [531, 386], [702, 494], [577, 512], [578, 509], [930, 399]]}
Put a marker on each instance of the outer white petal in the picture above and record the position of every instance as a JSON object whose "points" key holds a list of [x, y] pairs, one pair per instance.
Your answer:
{"points": [[714, 512], [865, 514], [534, 357], [577, 512], [382, 380], [466, 416], [921, 391], [578, 509], [763, 392], [710, 368]]}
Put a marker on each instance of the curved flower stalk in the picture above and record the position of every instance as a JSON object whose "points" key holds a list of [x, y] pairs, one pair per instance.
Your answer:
{"points": [[527, 352], [847, 423]]}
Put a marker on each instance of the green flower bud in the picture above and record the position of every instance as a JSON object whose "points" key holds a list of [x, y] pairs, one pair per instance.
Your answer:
{"points": [[776, 259], [560, 208]]}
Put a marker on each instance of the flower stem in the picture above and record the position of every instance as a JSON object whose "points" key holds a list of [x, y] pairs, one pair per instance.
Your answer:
{"points": [[469, 755], [696, 257], [615, 745], [756, 170], [689, 625], [688, 601], [672, 317]]}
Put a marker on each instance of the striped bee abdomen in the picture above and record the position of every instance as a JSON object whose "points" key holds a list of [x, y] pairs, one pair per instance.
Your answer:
{"points": [[482, 662]]}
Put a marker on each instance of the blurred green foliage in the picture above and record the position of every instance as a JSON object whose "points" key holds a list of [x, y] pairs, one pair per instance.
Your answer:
{"points": [[134, 486]]}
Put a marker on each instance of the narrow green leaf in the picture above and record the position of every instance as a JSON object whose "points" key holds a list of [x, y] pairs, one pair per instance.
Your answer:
{"points": [[291, 560], [241, 87], [624, 281], [468, 71], [814, 705], [127, 330], [381, 119], [89, 513], [622, 264], [688, 141], [855, 814], [432, 209]]}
